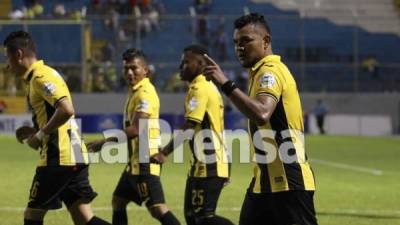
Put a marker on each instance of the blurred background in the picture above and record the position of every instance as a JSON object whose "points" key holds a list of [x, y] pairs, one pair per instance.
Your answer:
{"points": [[343, 55]]}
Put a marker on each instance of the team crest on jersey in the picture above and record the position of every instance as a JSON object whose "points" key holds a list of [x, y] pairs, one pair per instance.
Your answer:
{"points": [[267, 80], [193, 103], [144, 105], [49, 88]]}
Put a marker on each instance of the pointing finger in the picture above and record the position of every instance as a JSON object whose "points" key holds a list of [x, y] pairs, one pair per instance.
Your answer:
{"points": [[209, 60]]}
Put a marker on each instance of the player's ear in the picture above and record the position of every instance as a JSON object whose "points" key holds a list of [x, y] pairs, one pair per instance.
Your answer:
{"points": [[266, 40], [19, 55], [147, 70]]}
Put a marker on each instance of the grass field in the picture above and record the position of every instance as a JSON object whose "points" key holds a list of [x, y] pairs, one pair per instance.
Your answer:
{"points": [[358, 181]]}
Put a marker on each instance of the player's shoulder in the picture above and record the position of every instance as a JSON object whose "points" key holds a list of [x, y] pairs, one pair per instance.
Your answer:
{"points": [[203, 87], [147, 91], [45, 73]]}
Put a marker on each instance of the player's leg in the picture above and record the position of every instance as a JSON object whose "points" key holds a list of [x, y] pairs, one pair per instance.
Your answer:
{"points": [[34, 216], [150, 188], [77, 197], [163, 214], [256, 210], [205, 197], [188, 203], [125, 192], [294, 207], [82, 214], [44, 194], [119, 216]]}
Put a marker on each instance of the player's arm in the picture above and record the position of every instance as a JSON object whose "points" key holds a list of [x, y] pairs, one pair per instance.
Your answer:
{"points": [[258, 110], [176, 141], [64, 111], [131, 131], [180, 138]]}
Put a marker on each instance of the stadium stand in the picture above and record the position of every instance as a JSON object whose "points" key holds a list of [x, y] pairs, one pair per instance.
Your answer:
{"points": [[325, 42]]}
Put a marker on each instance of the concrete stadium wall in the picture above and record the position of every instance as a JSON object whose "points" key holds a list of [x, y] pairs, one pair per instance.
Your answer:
{"points": [[382, 104]]}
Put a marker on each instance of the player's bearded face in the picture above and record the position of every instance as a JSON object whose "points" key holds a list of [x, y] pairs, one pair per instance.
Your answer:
{"points": [[249, 45], [134, 71]]}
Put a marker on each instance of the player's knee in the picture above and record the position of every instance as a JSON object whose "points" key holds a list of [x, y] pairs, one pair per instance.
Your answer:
{"points": [[119, 203], [34, 214], [158, 211], [213, 220]]}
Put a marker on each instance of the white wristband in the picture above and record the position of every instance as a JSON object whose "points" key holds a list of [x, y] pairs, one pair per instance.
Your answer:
{"points": [[40, 135]]}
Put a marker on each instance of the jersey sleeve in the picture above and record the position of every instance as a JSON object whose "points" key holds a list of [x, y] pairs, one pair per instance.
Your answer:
{"points": [[268, 83], [52, 89], [196, 105], [145, 103]]}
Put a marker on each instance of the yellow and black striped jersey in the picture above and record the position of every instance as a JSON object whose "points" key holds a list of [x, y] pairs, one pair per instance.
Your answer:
{"points": [[204, 105], [290, 169], [45, 87], [143, 98]]}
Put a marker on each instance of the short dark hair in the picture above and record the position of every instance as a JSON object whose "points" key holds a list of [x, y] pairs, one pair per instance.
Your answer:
{"points": [[196, 49], [20, 40], [252, 18], [132, 53]]}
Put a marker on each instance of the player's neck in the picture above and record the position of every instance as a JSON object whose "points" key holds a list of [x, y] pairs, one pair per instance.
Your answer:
{"points": [[28, 61]]}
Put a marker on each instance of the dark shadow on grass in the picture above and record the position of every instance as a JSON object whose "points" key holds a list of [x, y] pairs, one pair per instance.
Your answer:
{"points": [[359, 215]]}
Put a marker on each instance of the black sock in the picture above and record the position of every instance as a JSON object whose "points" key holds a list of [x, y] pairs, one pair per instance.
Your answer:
{"points": [[169, 219], [32, 222], [119, 217], [190, 220], [215, 220], [97, 221]]}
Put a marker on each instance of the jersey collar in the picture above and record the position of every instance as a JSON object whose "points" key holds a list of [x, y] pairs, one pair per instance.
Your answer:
{"points": [[141, 83], [198, 79], [266, 59], [32, 67]]}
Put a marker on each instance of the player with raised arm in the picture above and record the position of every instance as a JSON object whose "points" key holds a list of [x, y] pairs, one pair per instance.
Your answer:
{"points": [[282, 188]]}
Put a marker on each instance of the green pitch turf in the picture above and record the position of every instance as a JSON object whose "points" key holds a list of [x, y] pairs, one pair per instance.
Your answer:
{"points": [[358, 181]]}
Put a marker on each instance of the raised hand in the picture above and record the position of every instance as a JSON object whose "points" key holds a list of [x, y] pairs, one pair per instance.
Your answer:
{"points": [[213, 72], [158, 158], [95, 146]]}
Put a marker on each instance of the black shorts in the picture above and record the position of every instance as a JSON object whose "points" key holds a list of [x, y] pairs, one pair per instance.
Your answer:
{"points": [[201, 196], [281, 208], [53, 185], [140, 188]]}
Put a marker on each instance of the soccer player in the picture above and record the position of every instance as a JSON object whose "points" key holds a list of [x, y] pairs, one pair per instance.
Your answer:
{"points": [[140, 181], [204, 111], [281, 191], [62, 172]]}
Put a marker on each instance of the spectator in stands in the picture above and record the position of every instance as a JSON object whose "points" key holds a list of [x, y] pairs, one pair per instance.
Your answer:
{"points": [[220, 41], [59, 11], [202, 31], [95, 8], [17, 14], [202, 6], [99, 84], [371, 65], [175, 84], [320, 111], [3, 106], [35, 11]]}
